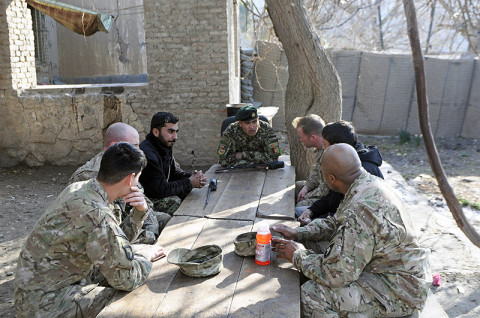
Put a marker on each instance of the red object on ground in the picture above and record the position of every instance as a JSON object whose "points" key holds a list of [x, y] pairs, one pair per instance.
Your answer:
{"points": [[437, 280]]}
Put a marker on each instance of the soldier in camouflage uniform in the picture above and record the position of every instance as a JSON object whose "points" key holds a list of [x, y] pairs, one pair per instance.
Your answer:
{"points": [[364, 261], [314, 187], [309, 129], [155, 221], [77, 254], [370, 157], [248, 141]]}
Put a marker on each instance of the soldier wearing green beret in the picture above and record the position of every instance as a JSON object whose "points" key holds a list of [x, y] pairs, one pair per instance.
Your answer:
{"points": [[248, 141]]}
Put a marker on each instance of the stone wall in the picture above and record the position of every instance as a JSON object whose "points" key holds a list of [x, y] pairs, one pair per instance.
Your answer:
{"points": [[5, 69], [17, 68], [63, 126], [190, 50]]}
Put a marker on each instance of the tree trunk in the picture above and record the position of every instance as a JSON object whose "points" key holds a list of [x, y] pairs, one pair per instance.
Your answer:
{"points": [[435, 163], [313, 83]]}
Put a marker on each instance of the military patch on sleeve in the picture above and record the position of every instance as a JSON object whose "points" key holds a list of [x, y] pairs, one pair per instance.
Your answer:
{"points": [[275, 147], [328, 250], [222, 149], [119, 232], [129, 252]]}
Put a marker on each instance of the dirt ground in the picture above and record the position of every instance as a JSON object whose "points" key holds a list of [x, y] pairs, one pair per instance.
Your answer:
{"points": [[26, 192], [453, 256]]}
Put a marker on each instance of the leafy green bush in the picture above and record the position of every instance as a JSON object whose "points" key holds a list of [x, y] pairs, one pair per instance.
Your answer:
{"points": [[465, 202]]}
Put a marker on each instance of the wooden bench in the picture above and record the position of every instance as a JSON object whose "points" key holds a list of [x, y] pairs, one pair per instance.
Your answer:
{"points": [[243, 200]]}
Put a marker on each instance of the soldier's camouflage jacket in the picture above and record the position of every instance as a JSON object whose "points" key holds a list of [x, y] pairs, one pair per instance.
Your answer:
{"points": [[90, 170], [75, 233], [316, 185], [261, 148], [372, 243]]}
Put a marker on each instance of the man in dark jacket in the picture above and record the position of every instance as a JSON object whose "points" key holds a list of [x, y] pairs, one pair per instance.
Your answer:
{"points": [[165, 183], [371, 159]]}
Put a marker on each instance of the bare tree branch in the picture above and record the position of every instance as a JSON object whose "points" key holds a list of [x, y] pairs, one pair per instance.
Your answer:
{"points": [[434, 158], [353, 15]]}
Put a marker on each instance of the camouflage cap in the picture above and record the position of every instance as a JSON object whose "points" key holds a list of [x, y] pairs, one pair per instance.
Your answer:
{"points": [[200, 262], [247, 112], [245, 243]]}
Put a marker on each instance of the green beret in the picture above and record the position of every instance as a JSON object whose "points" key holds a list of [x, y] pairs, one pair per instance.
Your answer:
{"points": [[245, 113]]}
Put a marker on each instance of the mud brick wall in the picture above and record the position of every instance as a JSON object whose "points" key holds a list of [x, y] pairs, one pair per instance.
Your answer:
{"points": [[188, 72], [17, 51], [193, 72]]}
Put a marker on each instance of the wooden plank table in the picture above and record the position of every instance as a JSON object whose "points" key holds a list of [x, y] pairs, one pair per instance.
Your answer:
{"points": [[245, 194], [267, 291], [278, 194], [242, 288]]}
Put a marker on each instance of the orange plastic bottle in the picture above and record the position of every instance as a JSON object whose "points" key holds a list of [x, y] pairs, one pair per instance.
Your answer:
{"points": [[264, 245]]}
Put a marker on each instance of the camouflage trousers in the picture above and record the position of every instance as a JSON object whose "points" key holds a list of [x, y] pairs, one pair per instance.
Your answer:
{"points": [[350, 301], [152, 227], [168, 205], [311, 196], [162, 219], [353, 300], [85, 299], [321, 301]]}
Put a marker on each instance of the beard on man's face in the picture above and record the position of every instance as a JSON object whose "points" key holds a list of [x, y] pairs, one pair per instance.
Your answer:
{"points": [[165, 143]]}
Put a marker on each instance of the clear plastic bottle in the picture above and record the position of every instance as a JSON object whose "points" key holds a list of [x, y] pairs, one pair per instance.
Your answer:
{"points": [[264, 245]]}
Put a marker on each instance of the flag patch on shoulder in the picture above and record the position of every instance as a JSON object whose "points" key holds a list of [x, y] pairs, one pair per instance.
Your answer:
{"points": [[221, 149]]}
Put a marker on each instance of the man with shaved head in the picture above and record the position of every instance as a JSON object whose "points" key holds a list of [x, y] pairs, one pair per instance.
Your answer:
{"points": [[116, 132], [364, 260], [156, 221], [341, 166]]}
